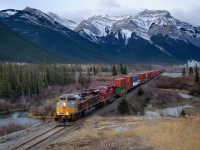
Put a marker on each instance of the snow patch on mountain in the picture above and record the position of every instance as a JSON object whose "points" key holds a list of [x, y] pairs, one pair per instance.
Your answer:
{"points": [[64, 22], [163, 50], [193, 63], [8, 13], [144, 24]]}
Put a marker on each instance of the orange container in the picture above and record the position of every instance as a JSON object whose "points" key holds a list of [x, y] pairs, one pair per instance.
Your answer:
{"points": [[119, 82], [141, 76], [129, 79]]}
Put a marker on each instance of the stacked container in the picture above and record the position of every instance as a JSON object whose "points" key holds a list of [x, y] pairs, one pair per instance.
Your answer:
{"points": [[135, 79], [129, 82], [150, 74], [141, 77], [120, 85]]}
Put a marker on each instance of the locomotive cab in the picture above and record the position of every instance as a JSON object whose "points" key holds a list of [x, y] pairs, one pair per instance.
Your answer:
{"points": [[67, 106]]}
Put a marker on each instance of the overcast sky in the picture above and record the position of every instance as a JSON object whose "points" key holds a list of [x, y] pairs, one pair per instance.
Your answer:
{"points": [[77, 10]]}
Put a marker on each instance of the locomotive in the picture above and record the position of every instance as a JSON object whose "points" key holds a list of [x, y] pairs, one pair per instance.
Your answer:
{"points": [[71, 107]]}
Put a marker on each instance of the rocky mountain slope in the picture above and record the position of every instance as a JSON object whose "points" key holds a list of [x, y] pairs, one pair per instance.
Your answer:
{"points": [[144, 24], [152, 31], [64, 22], [44, 31]]}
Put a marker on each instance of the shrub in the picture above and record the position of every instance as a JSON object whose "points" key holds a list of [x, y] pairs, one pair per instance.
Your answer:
{"points": [[182, 113], [123, 107], [11, 127], [4, 105], [170, 82], [140, 92], [142, 110], [194, 90], [47, 109]]}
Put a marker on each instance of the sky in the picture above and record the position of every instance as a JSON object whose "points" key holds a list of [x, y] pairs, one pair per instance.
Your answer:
{"points": [[78, 10]]}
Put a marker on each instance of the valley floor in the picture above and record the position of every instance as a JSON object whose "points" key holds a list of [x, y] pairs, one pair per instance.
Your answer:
{"points": [[128, 132]]}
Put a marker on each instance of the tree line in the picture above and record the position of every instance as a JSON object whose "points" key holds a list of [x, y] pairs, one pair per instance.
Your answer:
{"points": [[26, 80], [193, 72]]}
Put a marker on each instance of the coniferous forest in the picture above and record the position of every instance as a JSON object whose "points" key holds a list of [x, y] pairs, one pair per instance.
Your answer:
{"points": [[26, 80]]}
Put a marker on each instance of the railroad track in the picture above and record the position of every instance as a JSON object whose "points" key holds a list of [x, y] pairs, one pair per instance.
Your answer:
{"points": [[38, 139]]}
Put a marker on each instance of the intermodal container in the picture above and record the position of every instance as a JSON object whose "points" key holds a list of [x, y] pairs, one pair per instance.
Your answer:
{"points": [[150, 74], [120, 89], [120, 82], [141, 76], [129, 79], [135, 78], [129, 86], [154, 73]]}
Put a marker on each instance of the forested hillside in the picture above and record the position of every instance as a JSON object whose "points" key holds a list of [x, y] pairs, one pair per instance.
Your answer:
{"points": [[17, 49]]}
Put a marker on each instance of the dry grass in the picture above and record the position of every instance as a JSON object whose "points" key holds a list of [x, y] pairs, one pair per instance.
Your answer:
{"points": [[80, 135], [103, 123], [176, 91], [165, 133], [195, 111], [11, 127], [170, 82], [180, 135]]}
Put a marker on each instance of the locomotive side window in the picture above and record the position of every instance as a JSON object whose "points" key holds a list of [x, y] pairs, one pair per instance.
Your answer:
{"points": [[62, 98]]}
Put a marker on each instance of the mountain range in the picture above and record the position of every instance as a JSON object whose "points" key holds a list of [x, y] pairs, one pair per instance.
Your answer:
{"points": [[151, 36]]}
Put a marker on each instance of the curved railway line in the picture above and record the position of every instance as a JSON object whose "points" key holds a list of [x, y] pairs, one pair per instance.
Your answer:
{"points": [[38, 139]]}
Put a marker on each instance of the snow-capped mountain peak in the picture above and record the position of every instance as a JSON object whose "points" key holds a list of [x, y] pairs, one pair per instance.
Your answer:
{"points": [[144, 24], [35, 14], [65, 22]]}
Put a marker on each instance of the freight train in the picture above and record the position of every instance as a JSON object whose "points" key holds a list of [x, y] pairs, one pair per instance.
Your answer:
{"points": [[71, 107]]}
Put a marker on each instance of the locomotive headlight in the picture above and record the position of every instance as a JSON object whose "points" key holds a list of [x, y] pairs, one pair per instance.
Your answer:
{"points": [[64, 104]]}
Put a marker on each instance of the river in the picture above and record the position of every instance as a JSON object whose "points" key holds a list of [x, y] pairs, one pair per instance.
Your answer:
{"points": [[19, 117]]}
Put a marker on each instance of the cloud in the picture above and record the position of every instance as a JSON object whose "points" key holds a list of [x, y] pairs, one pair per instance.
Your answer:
{"points": [[108, 3], [190, 15], [79, 15]]}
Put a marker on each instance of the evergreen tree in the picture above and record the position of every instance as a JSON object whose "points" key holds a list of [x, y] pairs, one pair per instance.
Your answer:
{"points": [[123, 107], [125, 70], [182, 113], [140, 91], [95, 71], [114, 71], [122, 69], [196, 77], [183, 72], [191, 71]]}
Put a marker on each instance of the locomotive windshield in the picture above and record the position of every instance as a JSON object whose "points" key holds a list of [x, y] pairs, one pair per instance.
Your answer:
{"points": [[71, 98]]}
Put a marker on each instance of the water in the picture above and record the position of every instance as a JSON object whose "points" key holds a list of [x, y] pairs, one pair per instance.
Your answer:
{"points": [[17, 117], [186, 96], [170, 111], [174, 75]]}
